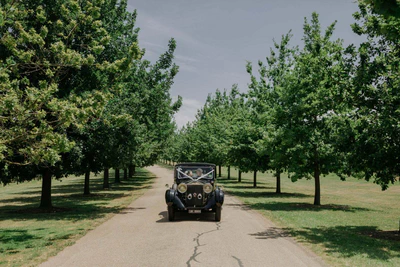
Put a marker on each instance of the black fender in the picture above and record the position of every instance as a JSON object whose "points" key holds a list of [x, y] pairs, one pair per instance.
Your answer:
{"points": [[171, 198], [219, 196], [211, 202]]}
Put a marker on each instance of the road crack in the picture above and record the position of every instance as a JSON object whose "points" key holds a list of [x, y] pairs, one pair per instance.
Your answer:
{"points": [[198, 245], [239, 261]]}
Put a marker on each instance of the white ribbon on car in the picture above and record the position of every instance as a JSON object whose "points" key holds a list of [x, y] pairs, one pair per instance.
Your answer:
{"points": [[193, 179]]}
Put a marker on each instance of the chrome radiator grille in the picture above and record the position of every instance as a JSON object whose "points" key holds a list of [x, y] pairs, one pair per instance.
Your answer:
{"points": [[195, 196]]}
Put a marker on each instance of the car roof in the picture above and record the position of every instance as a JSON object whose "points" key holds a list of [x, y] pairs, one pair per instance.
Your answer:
{"points": [[194, 164]]}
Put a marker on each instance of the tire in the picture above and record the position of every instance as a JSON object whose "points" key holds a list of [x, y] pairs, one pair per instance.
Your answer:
{"points": [[218, 214], [171, 213]]}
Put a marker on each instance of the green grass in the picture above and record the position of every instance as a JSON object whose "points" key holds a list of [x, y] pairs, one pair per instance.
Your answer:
{"points": [[340, 229], [28, 238]]}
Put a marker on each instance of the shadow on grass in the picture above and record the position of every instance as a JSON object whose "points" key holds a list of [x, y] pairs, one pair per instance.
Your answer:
{"points": [[346, 241], [74, 212], [96, 183], [349, 241], [256, 194], [233, 184], [283, 206], [70, 204], [15, 235]]}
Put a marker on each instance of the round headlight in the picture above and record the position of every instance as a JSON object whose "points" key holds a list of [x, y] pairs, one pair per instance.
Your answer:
{"points": [[182, 188], [207, 188]]}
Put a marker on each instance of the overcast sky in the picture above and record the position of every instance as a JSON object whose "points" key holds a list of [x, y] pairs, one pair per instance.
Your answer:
{"points": [[215, 38]]}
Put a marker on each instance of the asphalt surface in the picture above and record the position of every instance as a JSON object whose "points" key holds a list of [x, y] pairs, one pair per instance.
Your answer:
{"points": [[143, 236]]}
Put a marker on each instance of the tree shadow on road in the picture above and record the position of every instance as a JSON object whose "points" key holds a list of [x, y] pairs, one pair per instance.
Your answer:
{"points": [[271, 233]]}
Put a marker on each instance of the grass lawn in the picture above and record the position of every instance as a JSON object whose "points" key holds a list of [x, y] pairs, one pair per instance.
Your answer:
{"points": [[352, 227], [28, 238]]}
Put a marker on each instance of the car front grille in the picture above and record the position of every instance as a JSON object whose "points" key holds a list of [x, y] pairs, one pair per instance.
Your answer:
{"points": [[195, 191]]}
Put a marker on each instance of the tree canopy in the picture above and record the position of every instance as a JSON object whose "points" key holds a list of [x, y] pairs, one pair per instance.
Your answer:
{"points": [[75, 94]]}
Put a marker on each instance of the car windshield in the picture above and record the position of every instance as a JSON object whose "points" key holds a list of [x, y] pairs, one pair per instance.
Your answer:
{"points": [[194, 172]]}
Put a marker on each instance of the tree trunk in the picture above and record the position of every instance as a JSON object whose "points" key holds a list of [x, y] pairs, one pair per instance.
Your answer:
{"points": [[86, 188], [240, 176], [45, 200], [117, 179], [130, 174], [219, 171], [106, 183], [125, 174], [317, 195], [255, 179], [229, 172], [278, 182]]}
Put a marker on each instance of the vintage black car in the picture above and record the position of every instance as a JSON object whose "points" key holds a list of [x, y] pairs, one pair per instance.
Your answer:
{"points": [[194, 190]]}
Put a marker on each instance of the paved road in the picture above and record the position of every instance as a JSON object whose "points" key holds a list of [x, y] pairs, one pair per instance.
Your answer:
{"points": [[142, 236]]}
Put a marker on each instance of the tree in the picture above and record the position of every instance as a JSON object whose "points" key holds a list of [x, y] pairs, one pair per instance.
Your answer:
{"points": [[264, 95], [372, 136], [387, 8], [313, 93], [47, 48], [120, 24], [243, 135]]}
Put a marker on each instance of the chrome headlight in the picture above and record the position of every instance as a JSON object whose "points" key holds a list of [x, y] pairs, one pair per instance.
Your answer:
{"points": [[207, 188], [182, 188]]}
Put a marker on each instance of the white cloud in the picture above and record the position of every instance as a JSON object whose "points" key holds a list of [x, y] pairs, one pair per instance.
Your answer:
{"points": [[187, 112], [146, 43], [185, 58], [161, 28], [186, 67], [186, 63]]}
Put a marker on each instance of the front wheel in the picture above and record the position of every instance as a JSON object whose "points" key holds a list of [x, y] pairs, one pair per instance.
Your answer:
{"points": [[171, 213], [218, 214]]}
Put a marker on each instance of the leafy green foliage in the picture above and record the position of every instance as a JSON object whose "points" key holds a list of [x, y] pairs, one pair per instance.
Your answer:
{"points": [[75, 96], [42, 44], [374, 135]]}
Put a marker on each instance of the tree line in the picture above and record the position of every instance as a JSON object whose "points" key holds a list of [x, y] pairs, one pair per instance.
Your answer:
{"points": [[76, 95], [312, 110]]}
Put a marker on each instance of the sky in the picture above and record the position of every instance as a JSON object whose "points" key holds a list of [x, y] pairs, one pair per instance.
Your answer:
{"points": [[216, 38]]}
